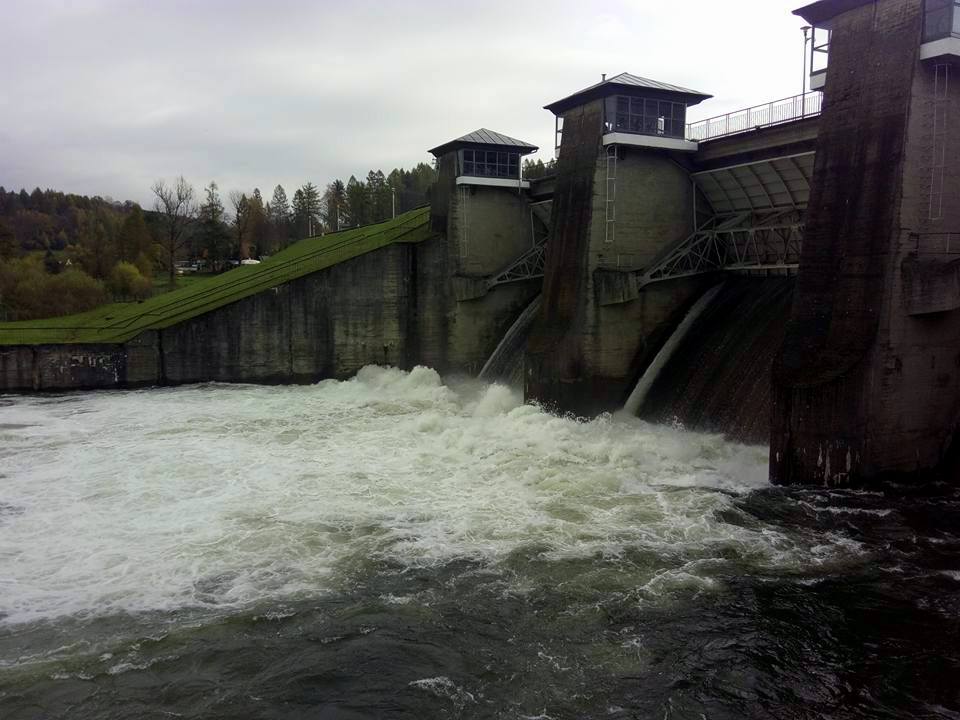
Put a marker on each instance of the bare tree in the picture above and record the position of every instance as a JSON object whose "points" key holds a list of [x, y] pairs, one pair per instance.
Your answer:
{"points": [[177, 207]]}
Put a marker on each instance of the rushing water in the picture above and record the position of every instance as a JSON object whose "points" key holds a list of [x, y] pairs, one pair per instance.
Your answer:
{"points": [[394, 546]]}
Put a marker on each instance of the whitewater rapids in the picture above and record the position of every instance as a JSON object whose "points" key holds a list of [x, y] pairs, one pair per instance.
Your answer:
{"points": [[404, 545], [226, 495]]}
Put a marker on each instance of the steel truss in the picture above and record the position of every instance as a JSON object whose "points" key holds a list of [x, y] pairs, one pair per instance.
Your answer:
{"points": [[739, 242], [530, 264]]}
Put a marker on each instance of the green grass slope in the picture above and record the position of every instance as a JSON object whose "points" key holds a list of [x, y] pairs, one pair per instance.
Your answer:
{"points": [[120, 322]]}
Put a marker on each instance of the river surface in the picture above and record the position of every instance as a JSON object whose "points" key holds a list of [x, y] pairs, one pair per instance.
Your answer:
{"points": [[395, 546]]}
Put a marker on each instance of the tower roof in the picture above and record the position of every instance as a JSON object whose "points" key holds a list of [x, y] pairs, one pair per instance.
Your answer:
{"points": [[485, 137], [624, 80], [823, 11]]}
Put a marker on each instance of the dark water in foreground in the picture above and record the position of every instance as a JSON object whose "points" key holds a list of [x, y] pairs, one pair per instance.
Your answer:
{"points": [[488, 561]]}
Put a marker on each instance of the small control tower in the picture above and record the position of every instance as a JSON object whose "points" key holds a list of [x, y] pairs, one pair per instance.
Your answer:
{"points": [[635, 111], [485, 157], [623, 194], [478, 201], [480, 205]]}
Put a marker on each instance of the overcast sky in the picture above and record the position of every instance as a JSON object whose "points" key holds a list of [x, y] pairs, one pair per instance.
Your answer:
{"points": [[105, 96]]}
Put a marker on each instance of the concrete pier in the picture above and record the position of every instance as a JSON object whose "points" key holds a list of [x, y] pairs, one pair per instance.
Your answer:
{"points": [[868, 382]]}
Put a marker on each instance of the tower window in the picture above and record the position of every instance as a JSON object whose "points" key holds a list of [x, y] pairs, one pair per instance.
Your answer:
{"points": [[646, 116], [490, 163]]}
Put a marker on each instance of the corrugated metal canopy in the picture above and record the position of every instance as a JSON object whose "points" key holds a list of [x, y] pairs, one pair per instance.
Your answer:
{"points": [[609, 86], [782, 182], [485, 137]]}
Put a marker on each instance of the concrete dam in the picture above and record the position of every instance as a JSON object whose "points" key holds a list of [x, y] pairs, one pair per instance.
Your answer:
{"points": [[820, 225]]}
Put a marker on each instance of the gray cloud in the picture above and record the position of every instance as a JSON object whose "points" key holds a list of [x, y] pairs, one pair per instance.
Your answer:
{"points": [[105, 96]]}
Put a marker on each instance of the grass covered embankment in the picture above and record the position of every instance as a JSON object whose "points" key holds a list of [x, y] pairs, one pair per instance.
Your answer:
{"points": [[119, 322]]}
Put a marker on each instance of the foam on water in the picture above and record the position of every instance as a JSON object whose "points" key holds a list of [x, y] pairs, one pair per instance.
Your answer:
{"points": [[220, 496]]}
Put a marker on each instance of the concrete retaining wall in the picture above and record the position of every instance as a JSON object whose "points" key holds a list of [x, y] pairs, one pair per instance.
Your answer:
{"points": [[62, 367]]}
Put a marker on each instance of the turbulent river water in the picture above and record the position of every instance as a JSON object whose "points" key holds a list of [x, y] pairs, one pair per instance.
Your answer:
{"points": [[399, 546]]}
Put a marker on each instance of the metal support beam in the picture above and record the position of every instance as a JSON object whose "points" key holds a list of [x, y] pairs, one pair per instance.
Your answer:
{"points": [[526, 267], [530, 264], [738, 242]]}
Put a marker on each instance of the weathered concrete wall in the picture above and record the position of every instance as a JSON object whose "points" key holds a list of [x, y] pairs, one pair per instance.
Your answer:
{"points": [[554, 359], [588, 347], [799, 136], [16, 368], [653, 209], [865, 385], [328, 324], [62, 367], [488, 229], [144, 361]]}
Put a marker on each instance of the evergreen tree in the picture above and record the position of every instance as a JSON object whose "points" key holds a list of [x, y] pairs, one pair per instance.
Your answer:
{"points": [[279, 217], [533, 170], [298, 215], [306, 211], [311, 204], [381, 197], [213, 233], [335, 205], [37, 201], [241, 223], [358, 203], [259, 227]]}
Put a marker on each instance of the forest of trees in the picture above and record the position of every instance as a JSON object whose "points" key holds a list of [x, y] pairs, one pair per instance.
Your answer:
{"points": [[62, 253], [533, 170]]}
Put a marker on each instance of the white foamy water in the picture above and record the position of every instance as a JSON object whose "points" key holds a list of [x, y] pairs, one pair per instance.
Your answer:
{"points": [[222, 496]]}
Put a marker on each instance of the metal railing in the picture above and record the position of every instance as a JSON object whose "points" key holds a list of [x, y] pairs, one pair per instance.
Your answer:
{"points": [[758, 116]]}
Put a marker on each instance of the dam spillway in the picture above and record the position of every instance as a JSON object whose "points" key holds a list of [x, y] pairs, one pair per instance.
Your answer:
{"points": [[719, 379], [397, 545]]}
